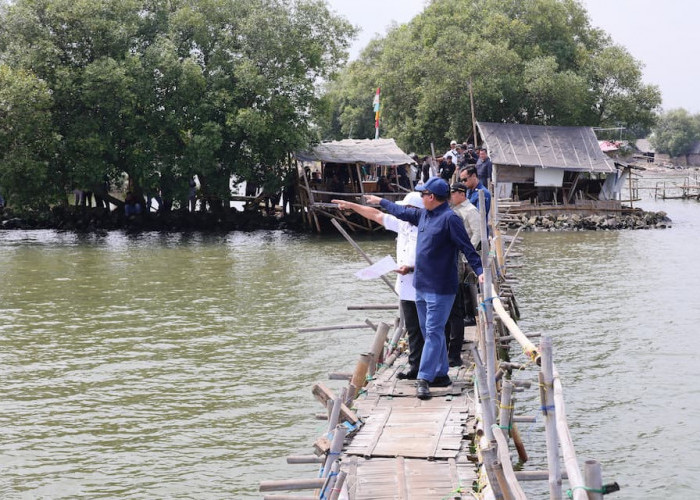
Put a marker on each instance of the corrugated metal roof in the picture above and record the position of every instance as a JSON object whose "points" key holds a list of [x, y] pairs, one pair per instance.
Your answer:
{"points": [[644, 145], [570, 148], [373, 151]]}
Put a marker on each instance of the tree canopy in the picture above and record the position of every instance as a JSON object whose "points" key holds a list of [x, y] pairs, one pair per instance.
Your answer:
{"points": [[529, 61], [158, 89], [676, 132]]}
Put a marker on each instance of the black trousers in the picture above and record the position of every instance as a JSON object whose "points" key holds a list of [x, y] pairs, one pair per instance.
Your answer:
{"points": [[454, 329], [415, 336]]}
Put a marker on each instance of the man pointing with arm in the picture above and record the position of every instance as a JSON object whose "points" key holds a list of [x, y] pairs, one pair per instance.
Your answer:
{"points": [[441, 236]]}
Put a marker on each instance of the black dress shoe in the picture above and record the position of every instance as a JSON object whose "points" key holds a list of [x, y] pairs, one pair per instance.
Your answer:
{"points": [[410, 374], [469, 321], [422, 389], [455, 362], [441, 381]]}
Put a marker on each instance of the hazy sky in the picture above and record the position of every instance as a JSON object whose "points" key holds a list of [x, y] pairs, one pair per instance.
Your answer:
{"points": [[662, 35]]}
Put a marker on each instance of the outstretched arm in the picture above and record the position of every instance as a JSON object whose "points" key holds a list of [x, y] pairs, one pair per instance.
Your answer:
{"points": [[365, 211]]}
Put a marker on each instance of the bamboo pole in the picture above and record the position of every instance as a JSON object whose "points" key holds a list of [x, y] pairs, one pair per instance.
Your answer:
{"points": [[360, 251], [378, 347], [336, 447], [567, 444], [292, 484], [488, 306], [494, 473], [398, 333], [359, 377], [514, 329], [305, 459], [332, 327], [487, 409], [289, 497], [373, 307], [518, 442], [337, 488], [504, 459], [335, 413], [548, 409], [594, 479], [505, 407], [534, 475]]}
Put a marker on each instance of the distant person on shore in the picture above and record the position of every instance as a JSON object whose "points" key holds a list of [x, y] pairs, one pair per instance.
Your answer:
{"points": [[406, 260], [441, 236], [484, 167], [192, 195], [132, 207]]}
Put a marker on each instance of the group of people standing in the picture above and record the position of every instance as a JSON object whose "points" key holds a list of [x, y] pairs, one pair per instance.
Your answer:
{"points": [[458, 157], [437, 288]]}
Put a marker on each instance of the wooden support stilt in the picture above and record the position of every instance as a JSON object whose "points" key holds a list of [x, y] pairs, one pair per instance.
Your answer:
{"points": [[377, 351], [593, 479], [359, 377], [548, 409], [292, 484], [305, 459]]}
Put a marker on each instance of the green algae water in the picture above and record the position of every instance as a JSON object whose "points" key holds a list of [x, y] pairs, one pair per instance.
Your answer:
{"points": [[171, 366]]}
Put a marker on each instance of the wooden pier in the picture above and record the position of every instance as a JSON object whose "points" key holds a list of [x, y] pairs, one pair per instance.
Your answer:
{"points": [[382, 442]]}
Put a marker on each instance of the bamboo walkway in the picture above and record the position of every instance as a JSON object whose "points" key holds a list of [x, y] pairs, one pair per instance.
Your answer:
{"points": [[384, 443]]}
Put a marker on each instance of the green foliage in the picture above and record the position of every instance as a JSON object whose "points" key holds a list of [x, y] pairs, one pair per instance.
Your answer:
{"points": [[163, 90], [529, 61], [26, 140], [675, 132]]}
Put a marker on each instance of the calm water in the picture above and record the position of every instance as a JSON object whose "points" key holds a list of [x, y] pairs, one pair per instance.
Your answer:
{"points": [[170, 366]]}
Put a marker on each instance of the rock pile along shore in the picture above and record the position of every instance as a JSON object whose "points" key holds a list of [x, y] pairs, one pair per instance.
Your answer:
{"points": [[574, 222]]}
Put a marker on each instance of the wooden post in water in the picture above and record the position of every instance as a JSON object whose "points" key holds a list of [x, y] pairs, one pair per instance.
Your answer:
{"points": [[378, 347], [594, 479], [338, 486], [359, 377], [487, 409], [488, 306], [567, 444], [336, 447], [335, 413], [548, 409], [505, 413]]}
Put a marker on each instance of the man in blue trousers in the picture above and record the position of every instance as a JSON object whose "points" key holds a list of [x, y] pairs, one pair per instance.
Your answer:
{"points": [[441, 235]]}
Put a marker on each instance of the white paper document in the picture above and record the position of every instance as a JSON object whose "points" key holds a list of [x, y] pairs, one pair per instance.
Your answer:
{"points": [[379, 268]]}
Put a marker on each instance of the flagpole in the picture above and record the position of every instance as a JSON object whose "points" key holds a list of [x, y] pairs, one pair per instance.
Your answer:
{"points": [[376, 113]]}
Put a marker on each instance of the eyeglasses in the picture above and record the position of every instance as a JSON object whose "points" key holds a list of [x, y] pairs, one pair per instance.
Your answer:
{"points": [[425, 193]]}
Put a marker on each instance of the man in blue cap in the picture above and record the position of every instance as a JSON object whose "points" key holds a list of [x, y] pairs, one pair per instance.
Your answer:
{"points": [[441, 236]]}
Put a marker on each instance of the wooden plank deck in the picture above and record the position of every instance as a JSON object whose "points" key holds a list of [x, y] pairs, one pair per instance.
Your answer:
{"points": [[409, 448]]}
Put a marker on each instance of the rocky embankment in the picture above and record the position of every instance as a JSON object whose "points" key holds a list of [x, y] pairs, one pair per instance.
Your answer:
{"points": [[98, 219], [574, 222]]}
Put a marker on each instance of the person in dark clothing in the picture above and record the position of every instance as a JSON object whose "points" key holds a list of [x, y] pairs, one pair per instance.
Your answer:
{"points": [[425, 169], [484, 167], [447, 168]]}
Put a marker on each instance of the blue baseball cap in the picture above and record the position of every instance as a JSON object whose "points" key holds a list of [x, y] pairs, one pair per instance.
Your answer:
{"points": [[435, 185]]}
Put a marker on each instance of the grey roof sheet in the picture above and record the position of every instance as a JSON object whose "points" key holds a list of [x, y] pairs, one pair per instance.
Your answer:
{"points": [[643, 145], [569, 148], [375, 151]]}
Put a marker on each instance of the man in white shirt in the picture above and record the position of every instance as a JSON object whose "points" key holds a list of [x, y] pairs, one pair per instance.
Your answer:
{"points": [[452, 152], [406, 259]]}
